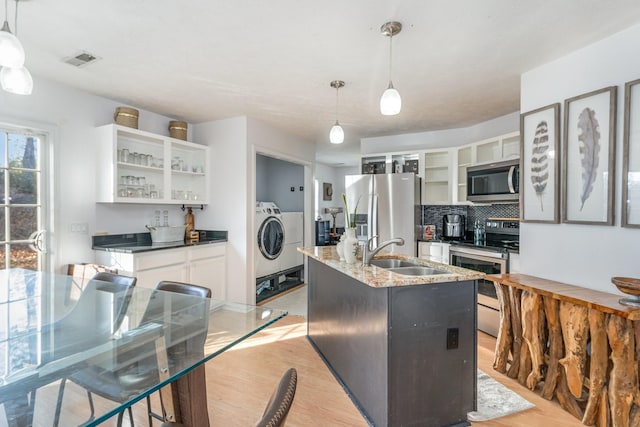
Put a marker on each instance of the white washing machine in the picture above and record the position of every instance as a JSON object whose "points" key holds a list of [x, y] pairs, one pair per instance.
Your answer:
{"points": [[269, 240], [293, 236]]}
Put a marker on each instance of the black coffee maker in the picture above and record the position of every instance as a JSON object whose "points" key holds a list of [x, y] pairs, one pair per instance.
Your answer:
{"points": [[453, 226]]}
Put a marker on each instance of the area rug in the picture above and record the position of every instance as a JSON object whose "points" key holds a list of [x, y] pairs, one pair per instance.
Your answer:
{"points": [[495, 400]]}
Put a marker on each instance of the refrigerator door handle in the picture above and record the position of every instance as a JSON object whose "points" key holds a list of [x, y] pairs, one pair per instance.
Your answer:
{"points": [[373, 214]]}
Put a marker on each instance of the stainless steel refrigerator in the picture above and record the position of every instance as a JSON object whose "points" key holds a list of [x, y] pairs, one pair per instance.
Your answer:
{"points": [[389, 207]]}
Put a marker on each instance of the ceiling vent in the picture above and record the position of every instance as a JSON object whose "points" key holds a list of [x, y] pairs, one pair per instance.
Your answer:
{"points": [[81, 59]]}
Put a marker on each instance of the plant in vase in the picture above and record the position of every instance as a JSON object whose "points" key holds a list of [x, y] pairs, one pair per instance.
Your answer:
{"points": [[350, 247]]}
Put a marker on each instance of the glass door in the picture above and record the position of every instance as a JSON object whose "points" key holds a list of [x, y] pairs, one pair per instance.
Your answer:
{"points": [[23, 217]]}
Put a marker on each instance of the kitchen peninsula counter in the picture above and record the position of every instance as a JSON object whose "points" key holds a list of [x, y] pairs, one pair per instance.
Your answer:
{"points": [[378, 277], [403, 347]]}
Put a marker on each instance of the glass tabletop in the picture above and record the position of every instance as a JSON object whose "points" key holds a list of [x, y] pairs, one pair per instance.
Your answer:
{"points": [[124, 341]]}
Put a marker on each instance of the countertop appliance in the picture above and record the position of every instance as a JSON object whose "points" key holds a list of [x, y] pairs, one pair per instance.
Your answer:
{"points": [[389, 207], [502, 237], [453, 226], [494, 182]]}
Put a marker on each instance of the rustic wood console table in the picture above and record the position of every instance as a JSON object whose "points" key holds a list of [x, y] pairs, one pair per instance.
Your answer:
{"points": [[577, 344]]}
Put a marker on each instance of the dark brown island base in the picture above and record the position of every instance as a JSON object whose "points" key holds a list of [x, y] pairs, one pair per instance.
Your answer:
{"points": [[403, 347]]}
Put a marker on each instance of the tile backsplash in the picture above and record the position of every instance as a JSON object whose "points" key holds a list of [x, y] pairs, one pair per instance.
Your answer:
{"points": [[432, 214]]}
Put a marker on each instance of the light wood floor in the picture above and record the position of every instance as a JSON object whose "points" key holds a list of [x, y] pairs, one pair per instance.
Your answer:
{"points": [[240, 381]]}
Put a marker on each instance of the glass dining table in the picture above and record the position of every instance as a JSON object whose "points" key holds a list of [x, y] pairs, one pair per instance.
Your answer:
{"points": [[132, 342]]}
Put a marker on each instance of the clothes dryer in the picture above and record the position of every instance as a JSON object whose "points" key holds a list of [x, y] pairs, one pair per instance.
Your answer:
{"points": [[293, 232], [269, 240]]}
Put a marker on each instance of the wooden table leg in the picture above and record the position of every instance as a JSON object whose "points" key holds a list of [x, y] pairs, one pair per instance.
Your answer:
{"points": [[191, 391]]}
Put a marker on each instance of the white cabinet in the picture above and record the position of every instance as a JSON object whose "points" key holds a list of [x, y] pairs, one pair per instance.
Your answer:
{"points": [[464, 155], [208, 267], [203, 265], [135, 166], [503, 147], [434, 251], [437, 177]]}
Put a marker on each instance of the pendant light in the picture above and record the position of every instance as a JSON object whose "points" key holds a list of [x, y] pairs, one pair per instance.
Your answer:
{"points": [[11, 50], [336, 135], [390, 102], [16, 79]]}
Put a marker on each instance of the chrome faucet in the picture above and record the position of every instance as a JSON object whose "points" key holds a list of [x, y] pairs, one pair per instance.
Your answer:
{"points": [[370, 252]]}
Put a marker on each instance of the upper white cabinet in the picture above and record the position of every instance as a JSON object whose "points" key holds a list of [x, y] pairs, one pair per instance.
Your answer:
{"points": [[464, 157], [135, 166], [503, 147], [437, 177]]}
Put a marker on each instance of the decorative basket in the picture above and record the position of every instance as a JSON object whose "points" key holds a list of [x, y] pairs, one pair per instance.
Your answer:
{"points": [[178, 130], [126, 116]]}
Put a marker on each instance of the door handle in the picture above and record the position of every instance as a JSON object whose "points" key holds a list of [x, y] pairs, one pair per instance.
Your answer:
{"points": [[38, 241], [512, 189]]}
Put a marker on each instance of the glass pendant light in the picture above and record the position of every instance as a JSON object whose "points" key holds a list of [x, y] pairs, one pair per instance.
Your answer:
{"points": [[11, 50], [17, 79], [390, 102], [336, 135]]}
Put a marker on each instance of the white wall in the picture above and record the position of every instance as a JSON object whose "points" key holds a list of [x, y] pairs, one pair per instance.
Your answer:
{"points": [[72, 116], [580, 254], [228, 189], [442, 138]]}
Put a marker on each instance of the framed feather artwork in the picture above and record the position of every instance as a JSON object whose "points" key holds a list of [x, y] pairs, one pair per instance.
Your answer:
{"points": [[588, 157], [631, 156], [539, 160]]}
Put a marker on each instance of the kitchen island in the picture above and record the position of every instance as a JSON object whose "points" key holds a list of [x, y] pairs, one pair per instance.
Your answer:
{"points": [[403, 347]]}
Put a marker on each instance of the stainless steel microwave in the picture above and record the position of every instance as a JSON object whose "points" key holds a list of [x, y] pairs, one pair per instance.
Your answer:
{"points": [[494, 182]]}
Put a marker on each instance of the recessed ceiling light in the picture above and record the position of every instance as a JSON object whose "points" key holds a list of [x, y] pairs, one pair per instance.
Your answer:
{"points": [[81, 59]]}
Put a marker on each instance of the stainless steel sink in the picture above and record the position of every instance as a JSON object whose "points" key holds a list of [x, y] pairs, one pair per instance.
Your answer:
{"points": [[417, 270], [392, 263]]}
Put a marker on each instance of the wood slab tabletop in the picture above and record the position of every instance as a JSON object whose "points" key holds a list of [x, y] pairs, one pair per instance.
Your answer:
{"points": [[603, 301]]}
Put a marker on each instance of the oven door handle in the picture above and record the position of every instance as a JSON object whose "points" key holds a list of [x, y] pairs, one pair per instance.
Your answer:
{"points": [[479, 252]]}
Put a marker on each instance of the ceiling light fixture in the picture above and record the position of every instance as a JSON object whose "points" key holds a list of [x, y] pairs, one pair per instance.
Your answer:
{"points": [[390, 102], [14, 78], [336, 135], [11, 50]]}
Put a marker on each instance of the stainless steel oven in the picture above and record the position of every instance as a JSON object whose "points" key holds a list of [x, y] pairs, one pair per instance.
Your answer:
{"points": [[489, 261]]}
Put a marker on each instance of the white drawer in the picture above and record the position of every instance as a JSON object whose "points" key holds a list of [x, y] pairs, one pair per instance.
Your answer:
{"points": [[160, 258], [207, 251]]}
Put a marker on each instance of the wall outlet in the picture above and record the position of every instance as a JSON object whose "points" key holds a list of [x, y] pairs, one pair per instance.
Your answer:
{"points": [[79, 227], [453, 336]]}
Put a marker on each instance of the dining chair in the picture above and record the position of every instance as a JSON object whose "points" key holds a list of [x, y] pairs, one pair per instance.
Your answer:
{"points": [[275, 414], [76, 322], [139, 369]]}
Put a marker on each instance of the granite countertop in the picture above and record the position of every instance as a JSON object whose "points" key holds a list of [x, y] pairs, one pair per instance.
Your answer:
{"points": [[141, 242], [378, 277]]}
